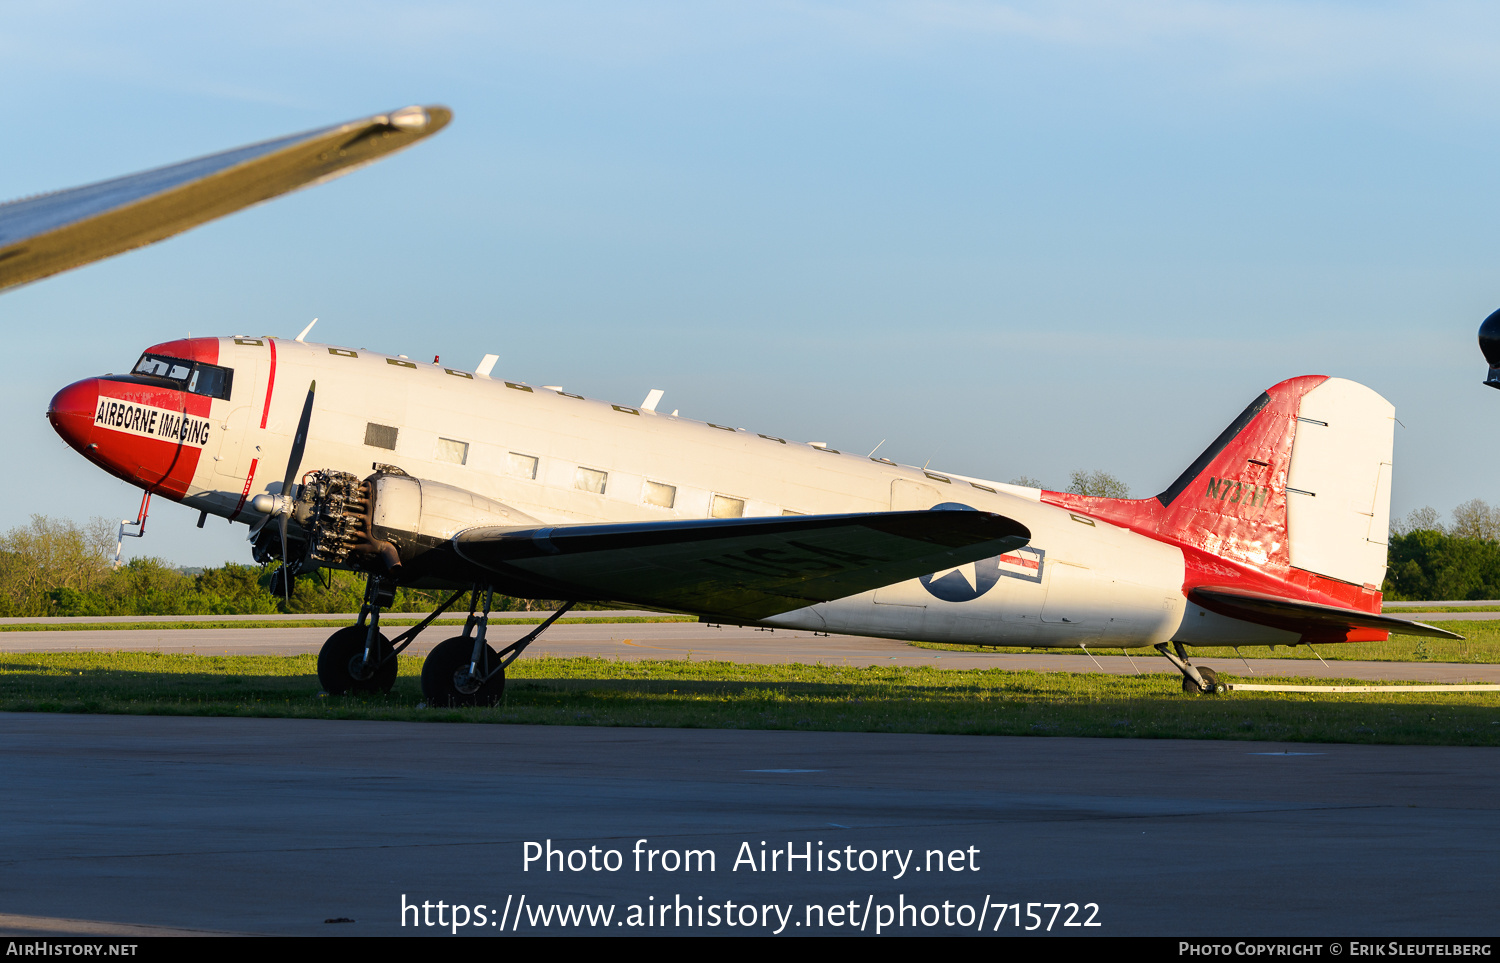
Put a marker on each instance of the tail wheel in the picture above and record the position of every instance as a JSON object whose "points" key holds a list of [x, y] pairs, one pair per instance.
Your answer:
{"points": [[341, 663], [447, 681], [1212, 685]]}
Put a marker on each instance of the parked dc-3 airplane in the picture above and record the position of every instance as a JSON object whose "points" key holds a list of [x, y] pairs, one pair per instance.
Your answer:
{"points": [[420, 474], [424, 475]]}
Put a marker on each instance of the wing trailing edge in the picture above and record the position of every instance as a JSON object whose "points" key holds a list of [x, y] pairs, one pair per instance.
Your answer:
{"points": [[746, 568]]}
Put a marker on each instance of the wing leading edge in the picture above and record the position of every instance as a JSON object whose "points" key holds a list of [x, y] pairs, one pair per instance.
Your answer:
{"points": [[746, 568], [49, 233]]}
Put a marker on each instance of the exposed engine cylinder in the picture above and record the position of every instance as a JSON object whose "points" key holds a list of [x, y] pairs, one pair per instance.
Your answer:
{"points": [[333, 510], [389, 518]]}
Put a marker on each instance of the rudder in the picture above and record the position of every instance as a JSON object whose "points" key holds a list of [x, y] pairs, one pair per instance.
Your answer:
{"points": [[1299, 481]]}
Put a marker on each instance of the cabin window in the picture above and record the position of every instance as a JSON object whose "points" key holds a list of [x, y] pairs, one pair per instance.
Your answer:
{"points": [[164, 367], [788, 511], [662, 496], [725, 507], [380, 436], [590, 480], [456, 452], [199, 377], [522, 466], [211, 380]]}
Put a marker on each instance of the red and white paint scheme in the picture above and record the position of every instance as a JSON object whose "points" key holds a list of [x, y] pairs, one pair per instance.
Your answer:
{"points": [[1275, 535]]}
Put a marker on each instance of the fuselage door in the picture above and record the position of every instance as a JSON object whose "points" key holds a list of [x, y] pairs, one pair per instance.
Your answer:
{"points": [[252, 364]]}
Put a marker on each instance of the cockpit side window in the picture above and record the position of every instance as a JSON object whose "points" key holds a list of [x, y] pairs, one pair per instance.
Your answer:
{"points": [[197, 377]]}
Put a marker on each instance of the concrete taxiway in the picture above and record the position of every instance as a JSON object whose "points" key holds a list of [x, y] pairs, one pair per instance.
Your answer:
{"points": [[285, 826]]}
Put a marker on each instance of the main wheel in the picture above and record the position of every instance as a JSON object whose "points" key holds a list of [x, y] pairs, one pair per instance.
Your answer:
{"points": [[1215, 687], [342, 668], [446, 680]]}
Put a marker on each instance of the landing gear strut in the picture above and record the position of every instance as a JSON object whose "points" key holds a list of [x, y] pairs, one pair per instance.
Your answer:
{"points": [[359, 658], [1196, 680], [464, 670]]}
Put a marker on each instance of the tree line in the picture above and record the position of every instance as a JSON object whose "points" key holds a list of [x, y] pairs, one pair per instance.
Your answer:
{"points": [[55, 567], [1429, 560]]}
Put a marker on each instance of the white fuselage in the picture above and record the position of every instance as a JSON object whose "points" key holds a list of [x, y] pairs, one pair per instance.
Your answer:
{"points": [[1080, 581]]}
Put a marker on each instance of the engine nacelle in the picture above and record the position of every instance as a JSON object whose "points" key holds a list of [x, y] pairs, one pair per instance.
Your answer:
{"points": [[390, 519], [407, 506]]}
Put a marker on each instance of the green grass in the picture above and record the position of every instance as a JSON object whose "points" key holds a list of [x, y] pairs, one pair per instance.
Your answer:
{"points": [[550, 691], [1481, 646], [313, 622], [1403, 610]]}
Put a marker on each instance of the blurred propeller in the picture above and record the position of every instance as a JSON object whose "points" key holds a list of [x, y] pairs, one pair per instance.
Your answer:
{"points": [[281, 505]]}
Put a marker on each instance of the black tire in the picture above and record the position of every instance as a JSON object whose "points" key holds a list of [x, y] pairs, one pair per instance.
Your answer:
{"points": [[1215, 687], [341, 669], [1190, 687], [446, 680]]}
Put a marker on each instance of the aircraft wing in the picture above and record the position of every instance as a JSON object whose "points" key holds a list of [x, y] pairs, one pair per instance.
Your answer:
{"points": [[48, 233], [746, 568], [1308, 618]]}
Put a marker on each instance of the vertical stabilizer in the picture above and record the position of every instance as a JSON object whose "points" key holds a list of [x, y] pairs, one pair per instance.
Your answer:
{"points": [[1297, 489]]}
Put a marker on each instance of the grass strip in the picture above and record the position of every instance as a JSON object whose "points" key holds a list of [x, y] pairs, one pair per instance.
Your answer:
{"points": [[314, 623], [1481, 647], [689, 694], [1390, 610]]}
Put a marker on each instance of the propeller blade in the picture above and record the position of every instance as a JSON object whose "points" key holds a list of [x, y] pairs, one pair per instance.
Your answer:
{"points": [[299, 443], [293, 464], [286, 566]]}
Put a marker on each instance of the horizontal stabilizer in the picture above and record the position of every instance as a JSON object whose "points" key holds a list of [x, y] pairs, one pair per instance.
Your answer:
{"points": [[43, 235], [1308, 618], [748, 568]]}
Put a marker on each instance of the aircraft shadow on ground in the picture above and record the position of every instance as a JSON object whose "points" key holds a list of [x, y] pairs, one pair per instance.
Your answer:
{"points": [[1015, 704]]}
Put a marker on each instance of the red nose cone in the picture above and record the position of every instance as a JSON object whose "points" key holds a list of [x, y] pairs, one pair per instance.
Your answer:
{"points": [[72, 412]]}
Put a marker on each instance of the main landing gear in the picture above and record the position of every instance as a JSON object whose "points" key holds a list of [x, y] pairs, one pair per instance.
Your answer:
{"points": [[360, 659], [1196, 679], [464, 670], [461, 671]]}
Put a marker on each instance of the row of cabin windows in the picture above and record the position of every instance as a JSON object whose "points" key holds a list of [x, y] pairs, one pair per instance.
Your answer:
{"points": [[450, 450], [458, 451], [592, 480]]}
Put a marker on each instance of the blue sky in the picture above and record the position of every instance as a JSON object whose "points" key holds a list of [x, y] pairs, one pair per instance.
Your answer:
{"points": [[1012, 238]]}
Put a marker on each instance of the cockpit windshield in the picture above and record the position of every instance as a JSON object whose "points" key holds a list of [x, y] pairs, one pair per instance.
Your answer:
{"points": [[196, 376]]}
